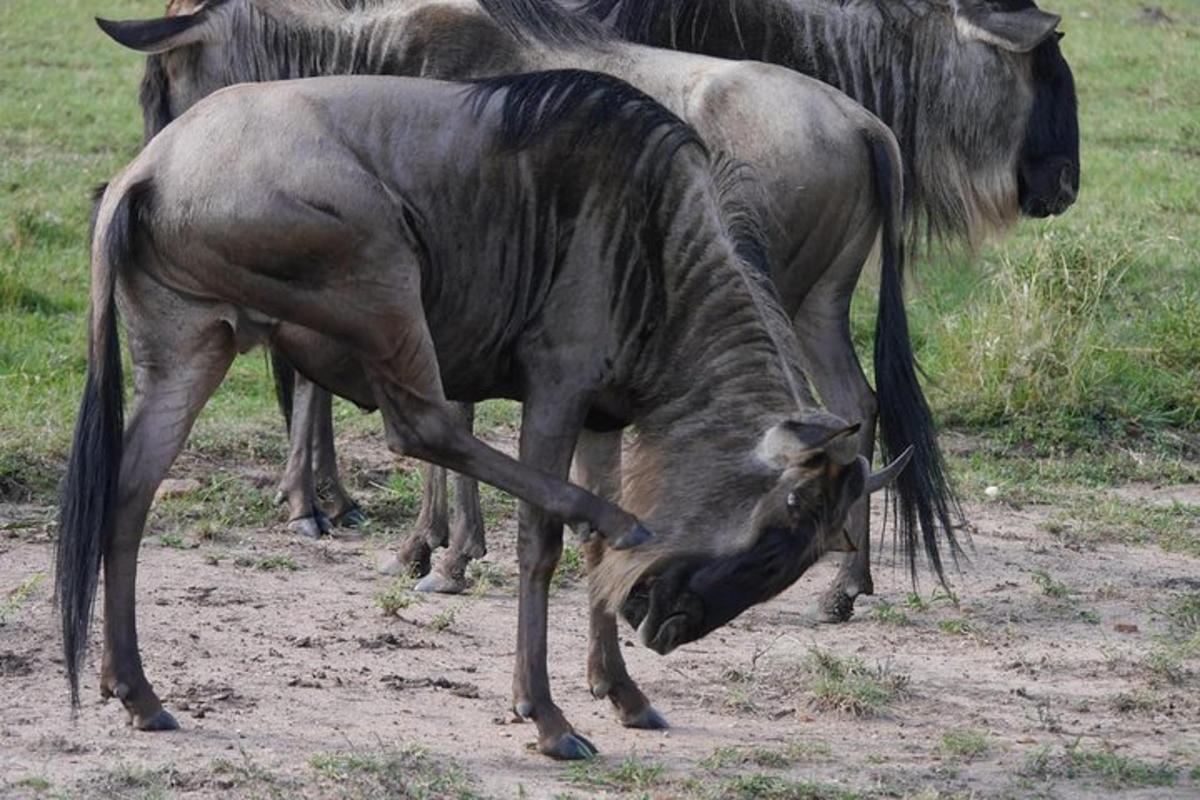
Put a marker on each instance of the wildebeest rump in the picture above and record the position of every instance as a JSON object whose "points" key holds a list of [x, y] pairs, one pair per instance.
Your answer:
{"points": [[829, 171], [557, 238]]}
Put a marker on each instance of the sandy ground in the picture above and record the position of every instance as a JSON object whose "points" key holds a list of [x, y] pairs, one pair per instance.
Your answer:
{"points": [[269, 669]]}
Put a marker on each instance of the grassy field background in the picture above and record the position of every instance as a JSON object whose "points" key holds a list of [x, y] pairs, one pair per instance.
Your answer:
{"points": [[1077, 339]]}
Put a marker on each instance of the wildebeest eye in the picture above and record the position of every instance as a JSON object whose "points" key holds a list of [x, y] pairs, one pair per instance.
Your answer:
{"points": [[793, 499]]}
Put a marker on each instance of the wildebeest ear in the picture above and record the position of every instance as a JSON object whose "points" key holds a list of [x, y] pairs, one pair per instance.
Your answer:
{"points": [[1018, 31], [156, 35], [793, 442]]}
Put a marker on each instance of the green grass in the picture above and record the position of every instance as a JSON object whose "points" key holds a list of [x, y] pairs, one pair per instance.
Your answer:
{"points": [[396, 595], [17, 597], [1183, 616], [631, 774], [775, 787], [570, 568], [1085, 328], [1119, 771], [888, 614], [1088, 519], [1113, 770], [956, 627], [1070, 334], [773, 758], [407, 772], [444, 620], [966, 744], [1049, 586], [847, 685], [273, 563]]}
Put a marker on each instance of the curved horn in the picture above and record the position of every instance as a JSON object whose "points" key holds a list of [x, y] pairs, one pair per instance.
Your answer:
{"points": [[885, 476]]}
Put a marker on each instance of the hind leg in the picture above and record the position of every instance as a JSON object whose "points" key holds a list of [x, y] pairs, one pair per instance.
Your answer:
{"points": [[342, 508], [466, 540], [823, 327], [297, 487], [175, 374], [431, 530]]}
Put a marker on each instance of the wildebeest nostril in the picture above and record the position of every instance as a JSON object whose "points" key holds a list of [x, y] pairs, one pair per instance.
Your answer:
{"points": [[1067, 184]]}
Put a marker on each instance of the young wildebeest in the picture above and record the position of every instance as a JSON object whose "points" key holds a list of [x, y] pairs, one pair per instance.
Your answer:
{"points": [[557, 238], [822, 158]]}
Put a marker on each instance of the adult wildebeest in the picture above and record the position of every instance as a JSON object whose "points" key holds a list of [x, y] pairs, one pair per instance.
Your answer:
{"points": [[820, 156], [977, 91], [558, 238]]}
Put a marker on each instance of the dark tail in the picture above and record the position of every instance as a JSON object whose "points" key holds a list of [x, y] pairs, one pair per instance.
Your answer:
{"points": [[923, 498], [87, 509], [284, 375]]}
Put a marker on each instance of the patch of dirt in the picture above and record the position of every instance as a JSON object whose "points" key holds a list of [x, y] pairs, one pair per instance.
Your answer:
{"points": [[456, 688], [200, 700], [276, 668], [15, 665]]}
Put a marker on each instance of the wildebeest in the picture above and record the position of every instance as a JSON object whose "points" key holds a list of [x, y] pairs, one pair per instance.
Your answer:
{"points": [[977, 92], [820, 155], [558, 238]]}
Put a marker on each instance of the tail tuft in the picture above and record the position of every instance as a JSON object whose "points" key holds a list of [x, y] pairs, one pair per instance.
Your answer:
{"points": [[89, 495], [922, 496]]}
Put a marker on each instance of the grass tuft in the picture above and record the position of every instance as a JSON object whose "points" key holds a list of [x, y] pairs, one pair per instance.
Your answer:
{"points": [[632, 774], [966, 743], [847, 685], [17, 597], [1049, 586], [408, 772], [396, 596], [887, 614]]}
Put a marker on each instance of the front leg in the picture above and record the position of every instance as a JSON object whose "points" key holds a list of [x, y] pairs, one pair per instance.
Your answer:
{"points": [[548, 434]]}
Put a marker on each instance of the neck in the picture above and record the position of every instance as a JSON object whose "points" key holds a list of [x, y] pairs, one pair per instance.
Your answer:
{"points": [[905, 63], [898, 58], [723, 366], [319, 39]]}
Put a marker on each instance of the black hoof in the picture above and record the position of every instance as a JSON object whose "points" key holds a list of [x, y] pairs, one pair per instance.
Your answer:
{"points": [[835, 607], [308, 527], [647, 720], [162, 721], [638, 536], [571, 747], [352, 517], [440, 584]]}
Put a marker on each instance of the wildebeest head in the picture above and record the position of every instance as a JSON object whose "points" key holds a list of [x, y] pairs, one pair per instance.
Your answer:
{"points": [[1048, 164], [201, 46], [810, 475], [186, 57]]}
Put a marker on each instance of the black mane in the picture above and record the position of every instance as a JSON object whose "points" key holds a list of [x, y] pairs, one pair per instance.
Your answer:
{"points": [[599, 107], [695, 22], [634, 128], [544, 21]]}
